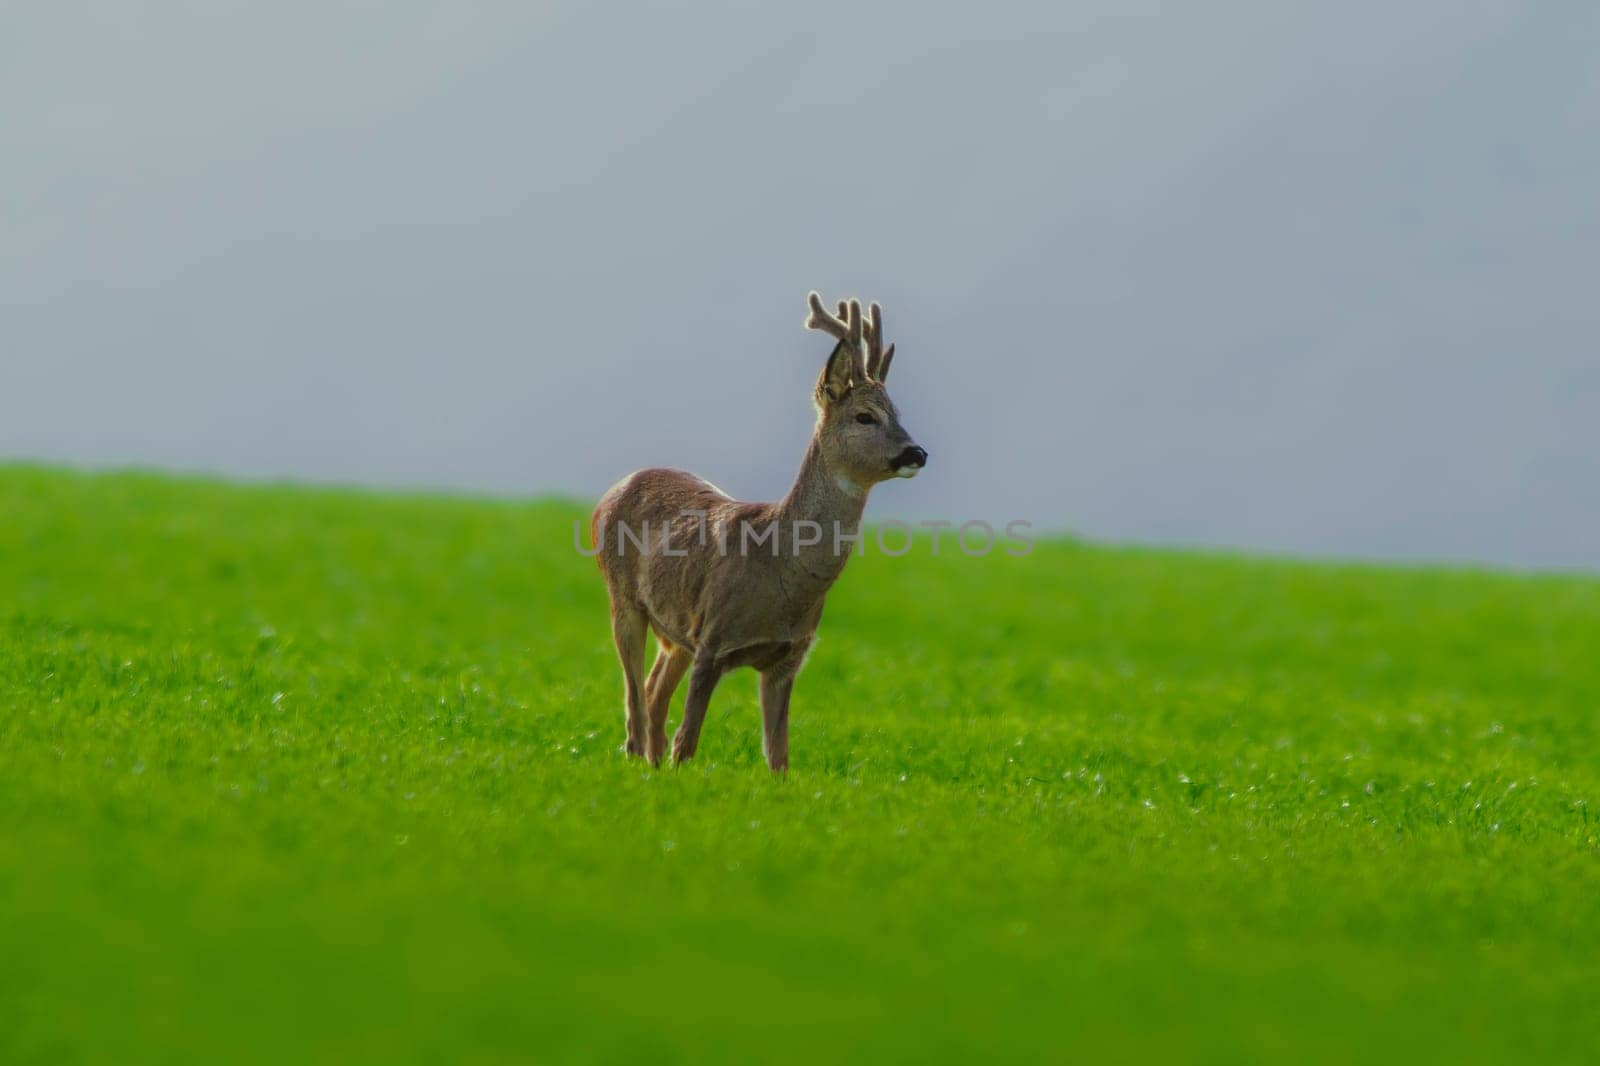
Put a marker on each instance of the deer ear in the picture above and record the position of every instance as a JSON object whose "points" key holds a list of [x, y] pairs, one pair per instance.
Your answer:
{"points": [[834, 381]]}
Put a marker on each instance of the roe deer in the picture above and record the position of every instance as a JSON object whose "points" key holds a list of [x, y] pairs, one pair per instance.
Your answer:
{"points": [[673, 549]]}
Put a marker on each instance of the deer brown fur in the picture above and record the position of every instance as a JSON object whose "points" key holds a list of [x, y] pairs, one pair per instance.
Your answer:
{"points": [[725, 584]]}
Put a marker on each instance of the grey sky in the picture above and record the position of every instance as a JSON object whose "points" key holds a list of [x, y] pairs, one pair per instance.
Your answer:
{"points": [[1305, 278]]}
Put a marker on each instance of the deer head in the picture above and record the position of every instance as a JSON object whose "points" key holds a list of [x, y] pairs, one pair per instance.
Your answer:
{"points": [[858, 428]]}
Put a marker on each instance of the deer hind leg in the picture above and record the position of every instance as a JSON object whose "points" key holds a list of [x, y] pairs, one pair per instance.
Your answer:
{"points": [[671, 662], [702, 680], [628, 630]]}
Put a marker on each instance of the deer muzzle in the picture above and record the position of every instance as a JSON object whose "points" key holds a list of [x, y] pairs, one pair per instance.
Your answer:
{"points": [[909, 461]]}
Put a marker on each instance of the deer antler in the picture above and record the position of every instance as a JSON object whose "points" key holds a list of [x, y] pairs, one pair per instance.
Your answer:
{"points": [[846, 328], [836, 326], [878, 357]]}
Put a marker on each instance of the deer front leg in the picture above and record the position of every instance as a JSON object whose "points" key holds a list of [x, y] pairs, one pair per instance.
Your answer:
{"points": [[776, 687], [703, 678]]}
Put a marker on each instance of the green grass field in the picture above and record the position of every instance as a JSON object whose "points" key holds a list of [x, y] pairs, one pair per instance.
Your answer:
{"points": [[295, 775]]}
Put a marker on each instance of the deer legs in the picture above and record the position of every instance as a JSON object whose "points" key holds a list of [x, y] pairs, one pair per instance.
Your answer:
{"points": [[671, 662], [628, 630], [777, 684], [649, 699], [776, 687], [703, 678]]}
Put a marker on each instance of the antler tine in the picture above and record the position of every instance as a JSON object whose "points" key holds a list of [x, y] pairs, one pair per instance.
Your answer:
{"points": [[858, 366], [820, 319], [846, 327], [874, 339]]}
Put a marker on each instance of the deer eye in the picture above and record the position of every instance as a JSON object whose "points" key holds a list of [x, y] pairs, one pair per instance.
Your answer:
{"points": [[866, 419]]}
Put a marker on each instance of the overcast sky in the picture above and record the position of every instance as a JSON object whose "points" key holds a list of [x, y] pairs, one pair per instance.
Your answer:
{"points": [[1308, 278]]}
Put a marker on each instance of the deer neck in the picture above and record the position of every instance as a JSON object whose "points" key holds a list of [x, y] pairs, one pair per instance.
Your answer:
{"points": [[834, 502]]}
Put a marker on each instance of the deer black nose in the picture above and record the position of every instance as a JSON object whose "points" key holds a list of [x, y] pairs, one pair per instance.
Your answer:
{"points": [[911, 456]]}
